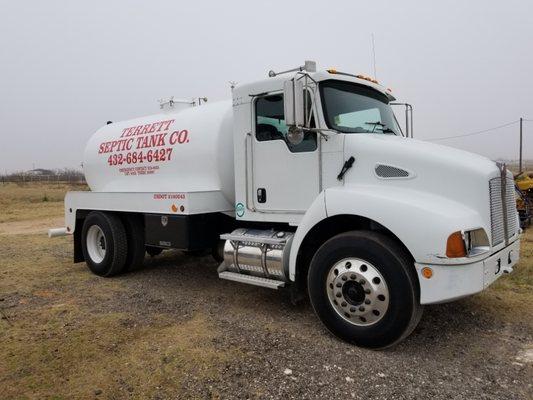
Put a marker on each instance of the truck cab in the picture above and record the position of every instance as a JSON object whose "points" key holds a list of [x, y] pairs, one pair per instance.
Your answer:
{"points": [[306, 181]]}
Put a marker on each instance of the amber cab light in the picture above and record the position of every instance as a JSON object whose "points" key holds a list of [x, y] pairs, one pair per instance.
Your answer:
{"points": [[455, 247]]}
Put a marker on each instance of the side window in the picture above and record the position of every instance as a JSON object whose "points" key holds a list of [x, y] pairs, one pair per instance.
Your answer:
{"points": [[270, 124]]}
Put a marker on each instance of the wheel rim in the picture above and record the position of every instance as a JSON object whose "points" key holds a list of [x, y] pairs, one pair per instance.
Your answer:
{"points": [[96, 244], [357, 291]]}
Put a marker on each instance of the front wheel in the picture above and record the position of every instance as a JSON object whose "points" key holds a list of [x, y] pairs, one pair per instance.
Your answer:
{"points": [[364, 289]]}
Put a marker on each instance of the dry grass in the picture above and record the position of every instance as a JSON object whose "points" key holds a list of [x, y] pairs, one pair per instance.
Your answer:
{"points": [[29, 201], [511, 296], [56, 342]]}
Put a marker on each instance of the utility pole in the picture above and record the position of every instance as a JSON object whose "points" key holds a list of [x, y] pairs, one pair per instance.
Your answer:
{"points": [[520, 162], [374, 57]]}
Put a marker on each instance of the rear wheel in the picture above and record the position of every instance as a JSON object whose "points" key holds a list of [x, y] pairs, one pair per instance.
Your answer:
{"points": [[104, 243], [364, 289], [135, 236]]}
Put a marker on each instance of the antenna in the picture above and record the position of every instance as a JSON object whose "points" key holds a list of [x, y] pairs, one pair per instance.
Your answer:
{"points": [[374, 57]]}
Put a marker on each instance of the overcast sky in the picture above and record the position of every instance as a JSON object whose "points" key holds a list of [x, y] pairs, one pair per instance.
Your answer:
{"points": [[66, 67]]}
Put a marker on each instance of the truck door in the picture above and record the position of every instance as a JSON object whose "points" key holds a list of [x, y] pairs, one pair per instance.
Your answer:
{"points": [[285, 177]]}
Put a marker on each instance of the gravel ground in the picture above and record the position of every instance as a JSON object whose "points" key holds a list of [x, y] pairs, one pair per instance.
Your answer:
{"points": [[277, 350], [455, 353]]}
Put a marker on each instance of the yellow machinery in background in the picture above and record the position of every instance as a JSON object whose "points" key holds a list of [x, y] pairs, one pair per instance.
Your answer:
{"points": [[524, 197]]}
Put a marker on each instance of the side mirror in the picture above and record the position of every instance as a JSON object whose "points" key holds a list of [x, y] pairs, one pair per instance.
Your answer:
{"points": [[293, 99], [295, 135]]}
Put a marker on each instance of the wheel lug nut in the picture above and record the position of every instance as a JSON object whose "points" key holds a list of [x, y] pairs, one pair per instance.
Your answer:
{"points": [[343, 304], [367, 291], [353, 277], [338, 294], [344, 278], [352, 309], [338, 284], [361, 308], [367, 301], [362, 281]]}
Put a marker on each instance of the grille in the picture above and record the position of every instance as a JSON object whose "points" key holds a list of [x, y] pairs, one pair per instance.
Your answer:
{"points": [[497, 210], [388, 171]]}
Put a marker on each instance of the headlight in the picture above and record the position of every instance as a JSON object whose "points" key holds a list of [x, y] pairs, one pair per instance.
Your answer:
{"points": [[469, 243], [476, 242]]}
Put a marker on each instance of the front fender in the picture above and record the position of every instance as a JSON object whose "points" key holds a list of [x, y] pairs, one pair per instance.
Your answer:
{"points": [[421, 221]]}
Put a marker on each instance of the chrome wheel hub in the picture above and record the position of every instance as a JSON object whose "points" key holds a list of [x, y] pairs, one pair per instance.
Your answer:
{"points": [[96, 244], [357, 291]]}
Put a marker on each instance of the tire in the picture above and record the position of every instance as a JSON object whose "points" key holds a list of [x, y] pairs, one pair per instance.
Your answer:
{"points": [[153, 251], [134, 226], [379, 303], [217, 252], [104, 243]]}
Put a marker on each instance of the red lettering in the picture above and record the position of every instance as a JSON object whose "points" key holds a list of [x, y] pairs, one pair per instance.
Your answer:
{"points": [[146, 128], [141, 142], [183, 137], [167, 123], [161, 139], [153, 127], [179, 137]]}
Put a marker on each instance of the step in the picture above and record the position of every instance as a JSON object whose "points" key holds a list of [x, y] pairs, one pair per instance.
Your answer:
{"points": [[251, 280]]}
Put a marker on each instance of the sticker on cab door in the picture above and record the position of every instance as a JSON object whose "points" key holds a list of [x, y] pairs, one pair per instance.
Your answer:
{"points": [[239, 209]]}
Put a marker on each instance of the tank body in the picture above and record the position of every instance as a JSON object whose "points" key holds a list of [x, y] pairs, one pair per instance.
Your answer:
{"points": [[187, 150]]}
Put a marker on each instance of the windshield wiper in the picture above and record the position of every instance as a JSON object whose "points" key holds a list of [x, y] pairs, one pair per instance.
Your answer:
{"points": [[376, 124], [384, 128]]}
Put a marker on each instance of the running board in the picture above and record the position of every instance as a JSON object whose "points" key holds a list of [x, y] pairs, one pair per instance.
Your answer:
{"points": [[251, 280]]}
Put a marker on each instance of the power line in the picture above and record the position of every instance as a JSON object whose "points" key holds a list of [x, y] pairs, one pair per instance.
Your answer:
{"points": [[474, 133]]}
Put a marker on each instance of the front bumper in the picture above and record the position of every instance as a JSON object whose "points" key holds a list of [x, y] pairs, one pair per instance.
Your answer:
{"points": [[451, 282]]}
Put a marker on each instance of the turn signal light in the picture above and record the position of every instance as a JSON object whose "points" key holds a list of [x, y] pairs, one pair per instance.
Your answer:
{"points": [[455, 246], [427, 272]]}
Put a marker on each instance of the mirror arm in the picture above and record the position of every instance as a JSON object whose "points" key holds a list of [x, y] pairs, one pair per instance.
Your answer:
{"points": [[321, 132]]}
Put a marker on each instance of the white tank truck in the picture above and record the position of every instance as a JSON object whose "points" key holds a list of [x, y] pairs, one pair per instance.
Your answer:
{"points": [[303, 180]]}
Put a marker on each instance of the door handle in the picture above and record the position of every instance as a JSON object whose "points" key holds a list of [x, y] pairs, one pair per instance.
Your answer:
{"points": [[261, 195]]}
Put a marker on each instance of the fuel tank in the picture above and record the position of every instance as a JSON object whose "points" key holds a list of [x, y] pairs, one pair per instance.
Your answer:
{"points": [[178, 150]]}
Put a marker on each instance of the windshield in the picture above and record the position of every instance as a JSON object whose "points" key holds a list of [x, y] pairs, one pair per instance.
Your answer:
{"points": [[353, 108]]}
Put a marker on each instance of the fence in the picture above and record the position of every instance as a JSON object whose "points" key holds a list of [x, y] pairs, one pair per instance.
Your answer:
{"points": [[71, 179]]}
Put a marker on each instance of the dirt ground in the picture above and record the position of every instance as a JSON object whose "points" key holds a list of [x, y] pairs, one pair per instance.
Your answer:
{"points": [[173, 330]]}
